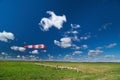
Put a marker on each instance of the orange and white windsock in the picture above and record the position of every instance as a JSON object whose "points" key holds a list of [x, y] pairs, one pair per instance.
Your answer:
{"points": [[42, 46]]}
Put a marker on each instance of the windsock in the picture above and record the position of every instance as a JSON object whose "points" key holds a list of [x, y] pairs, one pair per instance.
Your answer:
{"points": [[42, 46]]}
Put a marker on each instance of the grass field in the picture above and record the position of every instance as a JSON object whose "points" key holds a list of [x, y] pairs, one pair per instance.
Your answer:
{"points": [[13, 70]]}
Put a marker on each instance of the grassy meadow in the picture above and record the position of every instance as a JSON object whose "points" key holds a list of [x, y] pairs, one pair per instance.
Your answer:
{"points": [[21, 70]]}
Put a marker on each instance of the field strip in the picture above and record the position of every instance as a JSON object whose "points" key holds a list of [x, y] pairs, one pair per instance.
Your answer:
{"points": [[59, 67]]}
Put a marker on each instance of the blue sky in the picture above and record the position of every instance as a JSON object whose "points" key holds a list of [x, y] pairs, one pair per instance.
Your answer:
{"points": [[80, 30]]}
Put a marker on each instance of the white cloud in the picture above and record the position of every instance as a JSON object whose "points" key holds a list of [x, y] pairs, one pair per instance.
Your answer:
{"points": [[75, 38], [84, 46], [18, 56], [32, 56], [5, 36], [3, 53], [111, 45], [99, 47], [54, 20], [50, 57], [44, 51], [105, 26], [77, 52], [34, 52], [85, 37], [16, 48], [75, 47], [94, 52], [109, 56], [75, 32], [67, 42], [64, 42], [57, 43], [21, 49], [75, 26], [23, 57], [71, 32], [68, 57]]}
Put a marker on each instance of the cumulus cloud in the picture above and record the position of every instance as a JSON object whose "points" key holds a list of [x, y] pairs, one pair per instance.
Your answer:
{"points": [[44, 51], [3, 53], [54, 20], [99, 47], [71, 32], [94, 52], [5, 36], [77, 52], [57, 43], [50, 57], [75, 26], [73, 35], [67, 42], [75, 47], [34, 52], [67, 57], [85, 37], [111, 45], [64, 42], [84, 46], [16, 48], [69, 38], [18, 56], [109, 56], [75, 38], [74, 32], [105, 26]]}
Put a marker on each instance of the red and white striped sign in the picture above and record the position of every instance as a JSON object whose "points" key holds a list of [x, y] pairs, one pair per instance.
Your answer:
{"points": [[42, 46]]}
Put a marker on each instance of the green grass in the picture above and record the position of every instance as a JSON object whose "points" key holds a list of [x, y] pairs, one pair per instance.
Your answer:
{"points": [[13, 70]]}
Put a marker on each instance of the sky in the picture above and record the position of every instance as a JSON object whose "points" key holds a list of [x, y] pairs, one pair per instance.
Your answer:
{"points": [[72, 30]]}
